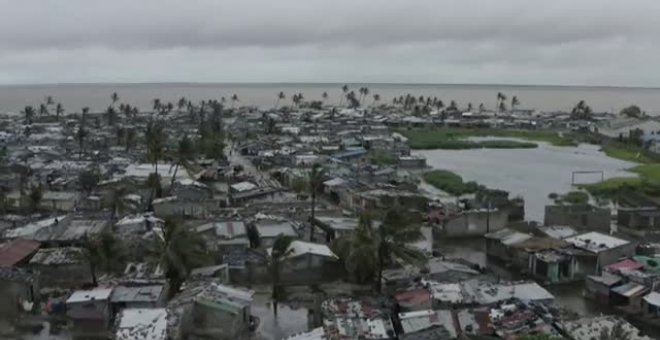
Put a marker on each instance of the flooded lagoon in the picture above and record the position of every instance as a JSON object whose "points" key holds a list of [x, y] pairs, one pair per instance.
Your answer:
{"points": [[530, 173]]}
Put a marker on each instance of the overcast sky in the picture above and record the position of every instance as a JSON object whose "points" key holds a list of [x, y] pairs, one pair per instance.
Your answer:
{"points": [[589, 42]]}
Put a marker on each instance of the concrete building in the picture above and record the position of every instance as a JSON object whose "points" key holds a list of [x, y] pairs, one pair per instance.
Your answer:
{"points": [[89, 313], [19, 291]]}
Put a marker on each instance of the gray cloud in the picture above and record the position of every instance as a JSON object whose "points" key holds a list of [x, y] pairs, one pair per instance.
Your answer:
{"points": [[506, 41]]}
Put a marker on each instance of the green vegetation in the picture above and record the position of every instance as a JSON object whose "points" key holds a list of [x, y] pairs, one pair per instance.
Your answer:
{"points": [[648, 182], [456, 138], [612, 187], [369, 250], [625, 152], [381, 158], [574, 197], [450, 182]]}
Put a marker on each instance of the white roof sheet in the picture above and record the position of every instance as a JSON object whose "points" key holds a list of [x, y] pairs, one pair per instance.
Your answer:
{"points": [[142, 324], [89, 295], [244, 186], [596, 242], [315, 334], [653, 299]]}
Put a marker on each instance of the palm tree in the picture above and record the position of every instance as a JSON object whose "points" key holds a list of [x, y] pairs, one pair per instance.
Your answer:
{"points": [[111, 115], [234, 99], [502, 107], [376, 98], [185, 153], [393, 240], [581, 111], [324, 96], [28, 111], [280, 96], [49, 101], [514, 102], [117, 205], [178, 251], [155, 139], [114, 97], [157, 105], [129, 138], [43, 110], [153, 183], [296, 99], [359, 250], [281, 249], [345, 90], [59, 110], [469, 107], [82, 132], [481, 107], [181, 103], [315, 183], [104, 252], [369, 250], [500, 98], [35, 196]]}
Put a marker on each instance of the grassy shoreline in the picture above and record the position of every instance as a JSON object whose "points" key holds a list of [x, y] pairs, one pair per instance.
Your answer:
{"points": [[450, 182], [456, 138]]}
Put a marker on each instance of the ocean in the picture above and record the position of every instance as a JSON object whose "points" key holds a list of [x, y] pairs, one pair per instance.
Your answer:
{"points": [[13, 98]]}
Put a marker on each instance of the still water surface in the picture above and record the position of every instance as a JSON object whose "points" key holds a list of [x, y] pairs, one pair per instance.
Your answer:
{"points": [[14, 98], [530, 173]]}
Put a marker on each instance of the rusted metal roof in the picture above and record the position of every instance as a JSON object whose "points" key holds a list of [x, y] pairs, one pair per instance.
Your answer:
{"points": [[17, 251]]}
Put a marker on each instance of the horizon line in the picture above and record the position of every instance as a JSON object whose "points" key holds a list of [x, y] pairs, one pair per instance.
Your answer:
{"points": [[241, 83]]}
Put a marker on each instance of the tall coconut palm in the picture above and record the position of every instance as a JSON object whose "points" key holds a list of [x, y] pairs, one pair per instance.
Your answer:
{"points": [[111, 115], [234, 100], [469, 107], [581, 111], [181, 103], [104, 252], [500, 98], [157, 105], [184, 154], [35, 196], [370, 249], [514, 102], [376, 99], [129, 138], [117, 205], [155, 139], [345, 90], [49, 101], [178, 251], [481, 107], [114, 97], [82, 130], [359, 250], [281, 249], [393, 242], [28, 111], [43, 110], [502, 107], [280, 96], [315, 180], [324, 96], [59, 110]]}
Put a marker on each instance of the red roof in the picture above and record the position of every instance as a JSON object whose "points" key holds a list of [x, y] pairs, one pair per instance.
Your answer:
{"points": [[16, 251], [627, 264], [414, 297]]}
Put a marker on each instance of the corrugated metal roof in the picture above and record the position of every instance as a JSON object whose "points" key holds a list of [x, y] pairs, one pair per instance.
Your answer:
{"points": [[17, 251], [630, 289]]}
